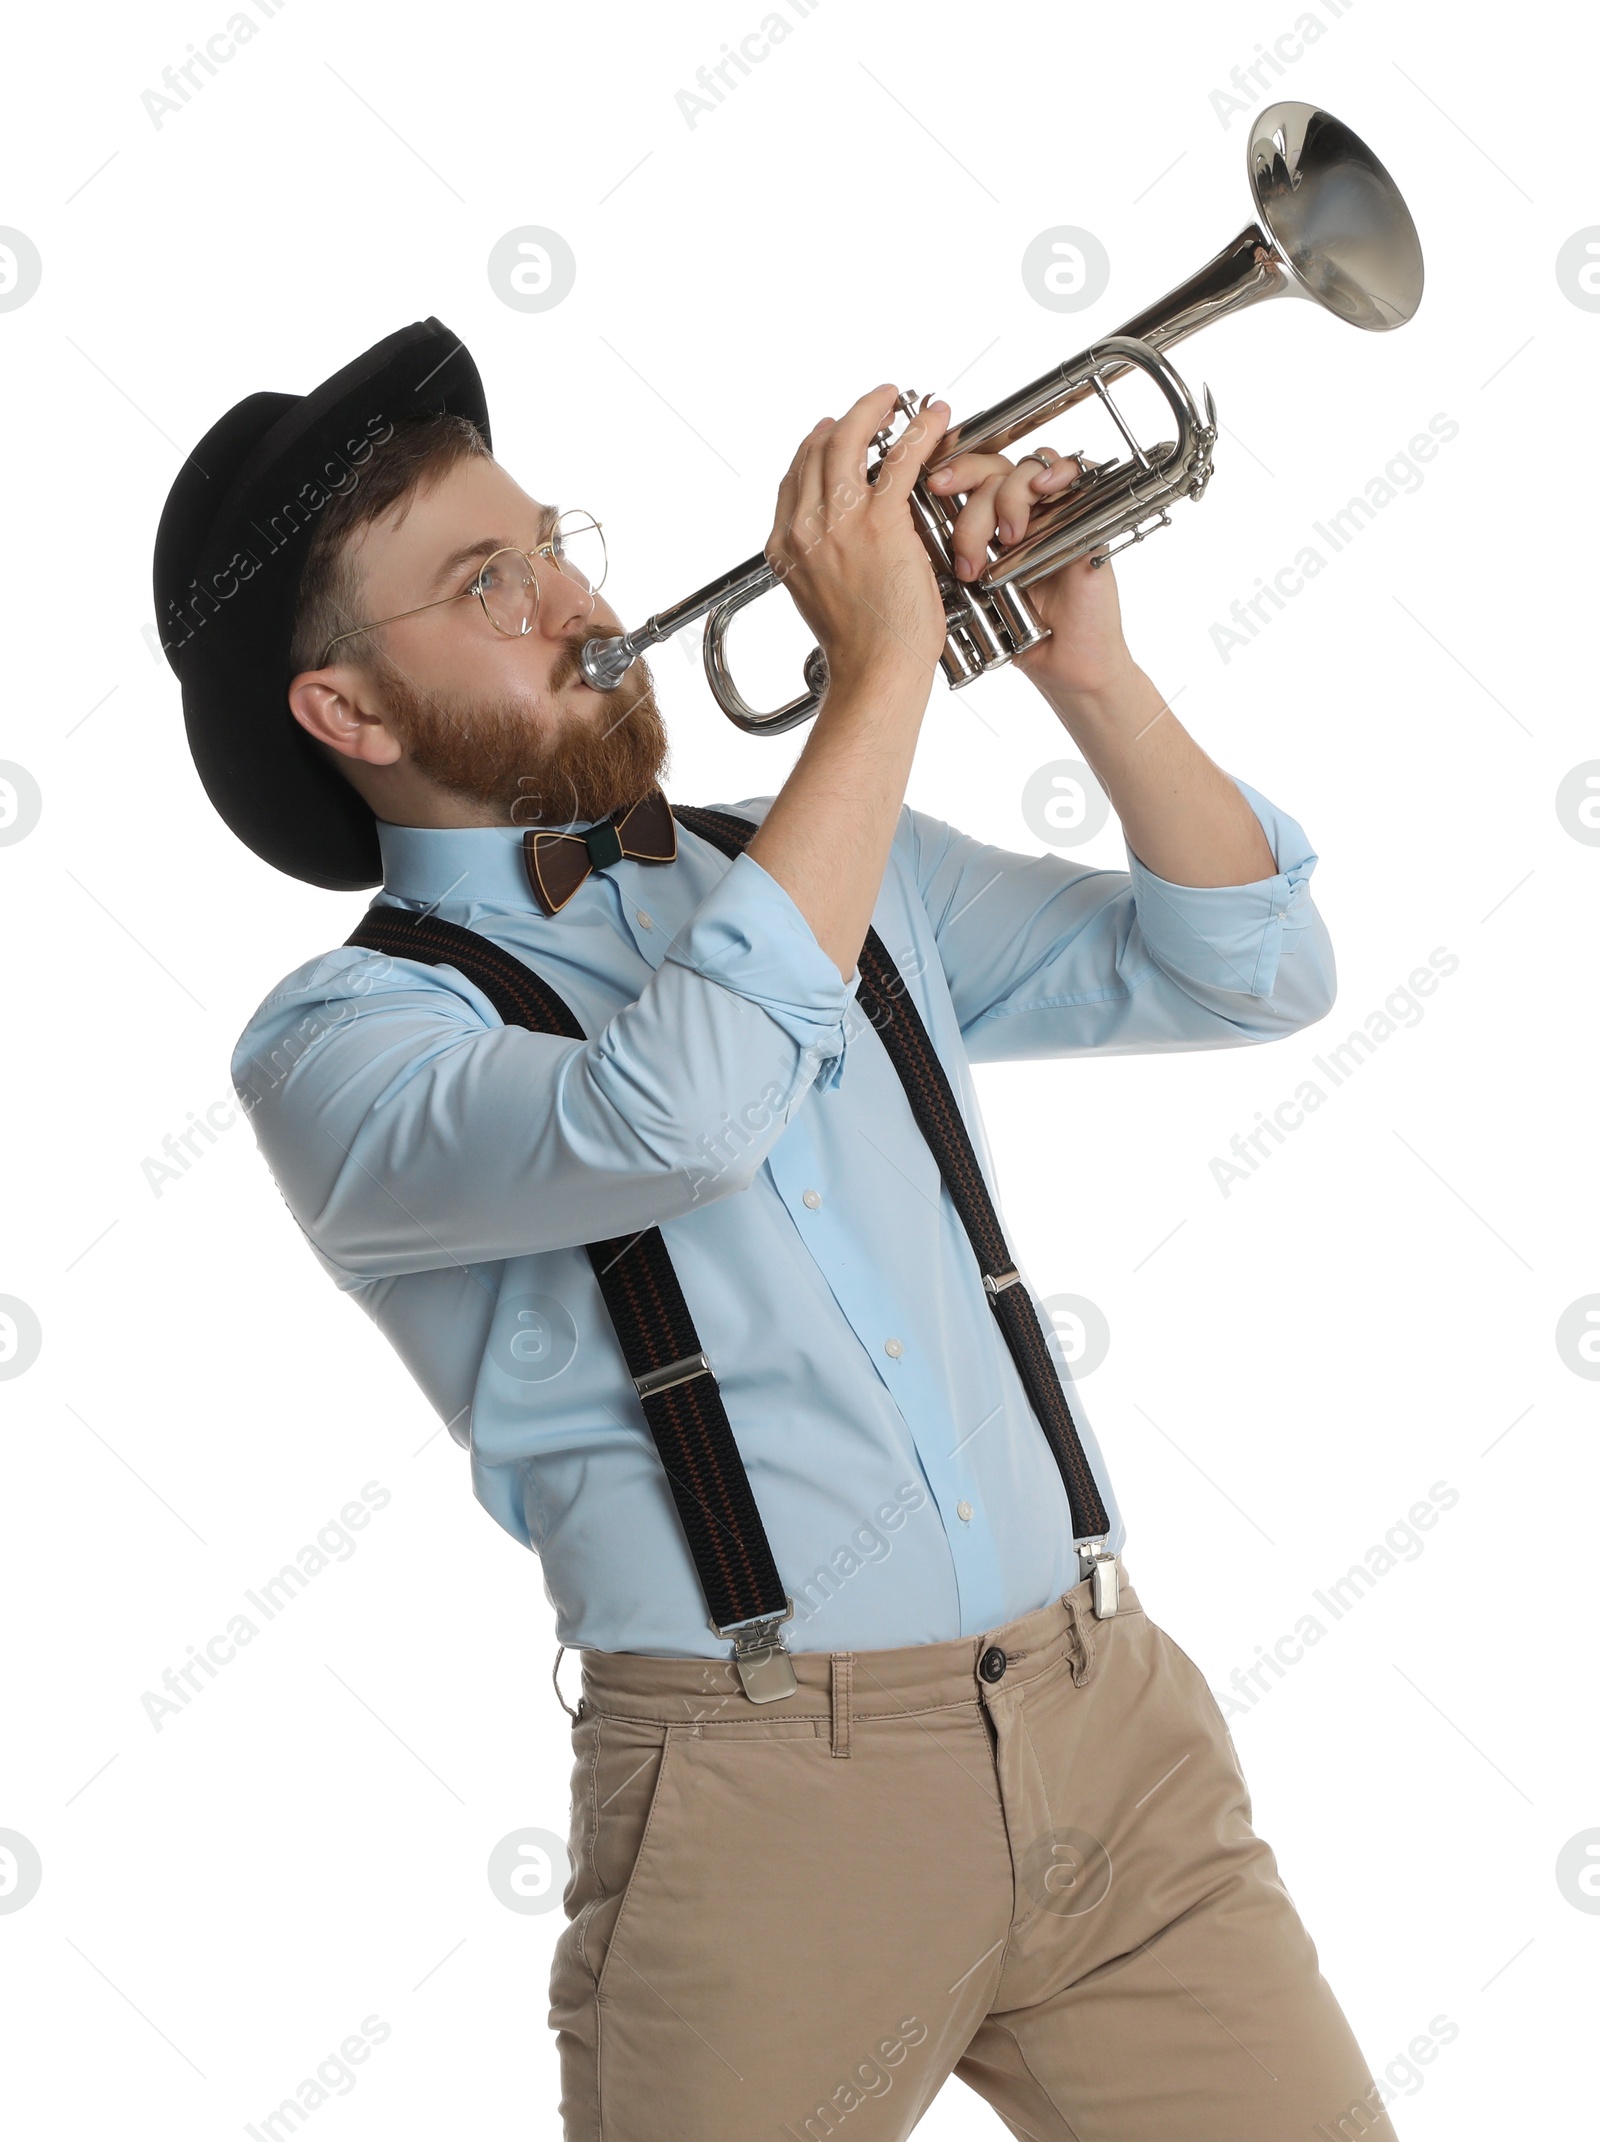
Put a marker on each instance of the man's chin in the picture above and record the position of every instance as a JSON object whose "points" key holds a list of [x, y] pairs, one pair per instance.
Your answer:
{"points": [[577, 767]]}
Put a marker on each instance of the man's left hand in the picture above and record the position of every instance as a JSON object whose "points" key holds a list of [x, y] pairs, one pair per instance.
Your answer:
{"points": [[1086, 652], [1184, 818]]}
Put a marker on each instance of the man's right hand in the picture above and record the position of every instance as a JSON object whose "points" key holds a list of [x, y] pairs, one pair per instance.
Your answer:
{"points": [[848, 551], [850, 555]]}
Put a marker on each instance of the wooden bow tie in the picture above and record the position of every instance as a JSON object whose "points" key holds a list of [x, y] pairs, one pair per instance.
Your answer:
{"points": [[558, 863]]}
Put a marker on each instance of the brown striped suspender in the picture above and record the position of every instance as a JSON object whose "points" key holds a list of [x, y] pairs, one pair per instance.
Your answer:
{"points": [[677, 1386]]}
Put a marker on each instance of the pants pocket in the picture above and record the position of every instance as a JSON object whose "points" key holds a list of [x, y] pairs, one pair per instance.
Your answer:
{"points": [[617, 1783], [1209, 1705]]}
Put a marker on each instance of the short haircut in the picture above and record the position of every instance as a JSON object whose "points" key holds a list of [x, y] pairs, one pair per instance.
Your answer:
{"points": [[417, 452]]}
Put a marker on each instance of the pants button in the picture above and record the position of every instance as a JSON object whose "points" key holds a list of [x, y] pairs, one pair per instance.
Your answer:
{"points": [[993, 1663]]}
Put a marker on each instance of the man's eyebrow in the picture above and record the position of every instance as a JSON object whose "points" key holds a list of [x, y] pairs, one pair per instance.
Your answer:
{"points": [[483, 545]]}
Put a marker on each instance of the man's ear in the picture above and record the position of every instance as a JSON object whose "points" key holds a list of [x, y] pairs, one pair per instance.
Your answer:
{"points": [[330, 705]]}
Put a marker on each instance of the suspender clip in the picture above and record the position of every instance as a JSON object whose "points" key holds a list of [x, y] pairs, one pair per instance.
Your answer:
{"points": [[1102, 1570], [761, 1657], [997, 1282]]}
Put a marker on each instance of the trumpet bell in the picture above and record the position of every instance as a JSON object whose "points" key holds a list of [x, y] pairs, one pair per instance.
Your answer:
{"points": [[1335, 215]]}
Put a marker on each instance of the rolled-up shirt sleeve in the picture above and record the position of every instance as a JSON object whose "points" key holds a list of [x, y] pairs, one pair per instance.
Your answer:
{"points": [[1046, 957], [407, 1128], [749, 936]]}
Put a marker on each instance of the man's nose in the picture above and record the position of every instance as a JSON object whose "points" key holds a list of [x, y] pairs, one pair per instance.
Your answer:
{"points": [[564, 603]]}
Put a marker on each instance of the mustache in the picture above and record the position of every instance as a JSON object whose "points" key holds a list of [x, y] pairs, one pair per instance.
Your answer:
{"points": [[635, 686], [568, 664]]}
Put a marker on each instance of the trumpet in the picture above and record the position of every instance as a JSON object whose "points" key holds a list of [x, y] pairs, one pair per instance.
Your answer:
{"points": [[1330, 225]]}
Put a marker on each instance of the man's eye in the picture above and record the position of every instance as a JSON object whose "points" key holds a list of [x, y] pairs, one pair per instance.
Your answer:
{"points": [[503, 574]]}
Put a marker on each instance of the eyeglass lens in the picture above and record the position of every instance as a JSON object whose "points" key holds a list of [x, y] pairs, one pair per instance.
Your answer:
{"points": [[509, 588]]}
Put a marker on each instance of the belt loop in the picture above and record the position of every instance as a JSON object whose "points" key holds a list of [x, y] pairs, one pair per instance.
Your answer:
{"points": [[574, 1715], [1081, 1638], [841, 1701]]}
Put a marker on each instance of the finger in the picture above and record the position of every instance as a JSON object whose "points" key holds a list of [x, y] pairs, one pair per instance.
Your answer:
{"points": [[911, 452], [1000, 507], [973, 528], [998, 495], [1023, 487], [798, 496], [966, 471], [791, 478], [1062, 470], [774, 549], [844, 454]]}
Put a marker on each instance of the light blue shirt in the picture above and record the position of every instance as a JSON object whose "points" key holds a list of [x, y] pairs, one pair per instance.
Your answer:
{"points": [[447, 1170]]}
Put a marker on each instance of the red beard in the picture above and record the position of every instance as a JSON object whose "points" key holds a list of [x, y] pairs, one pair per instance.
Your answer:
{"points": [[601, 755]]}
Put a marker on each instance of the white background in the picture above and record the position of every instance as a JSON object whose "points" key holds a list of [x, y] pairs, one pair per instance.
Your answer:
{"points": [[1292, 1366]]}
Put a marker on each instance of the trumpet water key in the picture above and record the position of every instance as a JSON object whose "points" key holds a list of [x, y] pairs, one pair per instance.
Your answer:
{"points": [[1330, 225]]}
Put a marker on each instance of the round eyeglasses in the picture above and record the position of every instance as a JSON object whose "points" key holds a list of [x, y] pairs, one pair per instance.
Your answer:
{"points": [[507, 582]]}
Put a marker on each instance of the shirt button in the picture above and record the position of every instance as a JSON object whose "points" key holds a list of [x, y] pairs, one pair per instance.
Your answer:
{"points": [[643, 919], [813, 1198], [964, 1512], [894, 1348]]}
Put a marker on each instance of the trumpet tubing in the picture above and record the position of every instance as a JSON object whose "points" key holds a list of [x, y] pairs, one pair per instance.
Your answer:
{"points": [[1330, 226]]}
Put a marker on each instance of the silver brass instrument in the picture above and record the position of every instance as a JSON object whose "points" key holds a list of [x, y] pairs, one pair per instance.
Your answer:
{"points": [[1331, 226]]}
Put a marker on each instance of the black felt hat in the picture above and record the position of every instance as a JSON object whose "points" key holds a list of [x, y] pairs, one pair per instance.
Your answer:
{"points": [[229, 553]]}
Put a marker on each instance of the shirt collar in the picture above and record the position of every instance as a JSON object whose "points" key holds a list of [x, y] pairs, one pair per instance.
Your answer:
{"points": [[471, 866]]}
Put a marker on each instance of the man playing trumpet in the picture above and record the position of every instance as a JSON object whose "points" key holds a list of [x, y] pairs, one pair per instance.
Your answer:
{"points": [[965, 1808]]}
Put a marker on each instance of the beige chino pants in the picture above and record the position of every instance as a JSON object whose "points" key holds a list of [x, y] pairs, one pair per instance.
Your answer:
{"points": [[1025, 1858]]}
